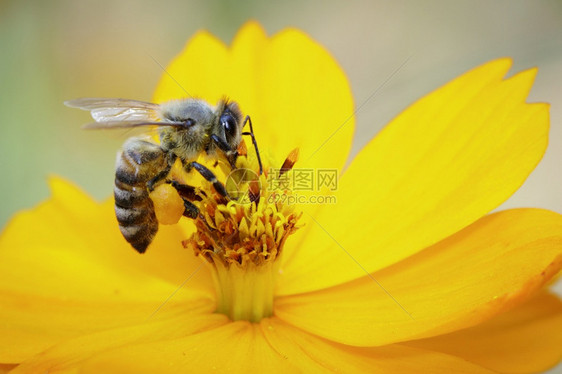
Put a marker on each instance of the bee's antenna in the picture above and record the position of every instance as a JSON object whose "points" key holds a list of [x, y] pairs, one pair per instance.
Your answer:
{"points": [[169, 75], [251, 133]]}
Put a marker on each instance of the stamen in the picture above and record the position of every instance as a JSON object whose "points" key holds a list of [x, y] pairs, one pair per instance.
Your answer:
{"points": [[290, 161], [242, 240], [242, 149]]}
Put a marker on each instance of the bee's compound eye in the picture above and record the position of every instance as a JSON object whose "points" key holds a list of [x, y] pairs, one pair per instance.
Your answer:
{"points": [[229, 124]]}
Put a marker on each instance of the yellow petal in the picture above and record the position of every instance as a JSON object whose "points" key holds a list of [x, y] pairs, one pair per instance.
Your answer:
{"points": [[69, 354], [483, 270], [294, 91], [231, 347], [31, 324], [64, 268], [5, 368], [526, 339], [198, 71], [313, 354], [71, 235], [443, 163], [272, 347]]}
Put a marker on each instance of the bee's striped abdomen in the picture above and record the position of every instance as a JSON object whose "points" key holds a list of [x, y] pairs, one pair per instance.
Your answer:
{"points": [[138, 163]]}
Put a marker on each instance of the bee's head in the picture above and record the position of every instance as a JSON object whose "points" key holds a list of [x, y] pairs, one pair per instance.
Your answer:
{"points": [[229, 123], [192, 112]]}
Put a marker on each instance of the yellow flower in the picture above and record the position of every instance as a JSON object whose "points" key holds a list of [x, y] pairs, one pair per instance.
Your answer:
{"points": [[407, 272]]}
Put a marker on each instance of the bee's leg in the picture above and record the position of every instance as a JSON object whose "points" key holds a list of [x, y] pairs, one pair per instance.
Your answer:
{"points": [[209, 176], [251, 133], [186, 191], [230, 154], [191, 211], [188, 194], [151, 184]]}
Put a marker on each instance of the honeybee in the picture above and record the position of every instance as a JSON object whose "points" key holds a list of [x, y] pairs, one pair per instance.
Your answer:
{"points": [[187, 128]]}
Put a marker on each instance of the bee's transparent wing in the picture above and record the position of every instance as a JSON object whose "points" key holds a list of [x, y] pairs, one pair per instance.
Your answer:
{"points": [[115, 110], [89, 103], [128, 124], [119, 113]]}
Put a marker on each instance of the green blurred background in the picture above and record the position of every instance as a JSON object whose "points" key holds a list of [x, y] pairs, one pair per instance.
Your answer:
{"points": [[58, 50]]}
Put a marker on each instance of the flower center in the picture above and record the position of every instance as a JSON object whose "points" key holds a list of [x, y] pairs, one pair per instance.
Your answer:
{"points": [[242, 240]]}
